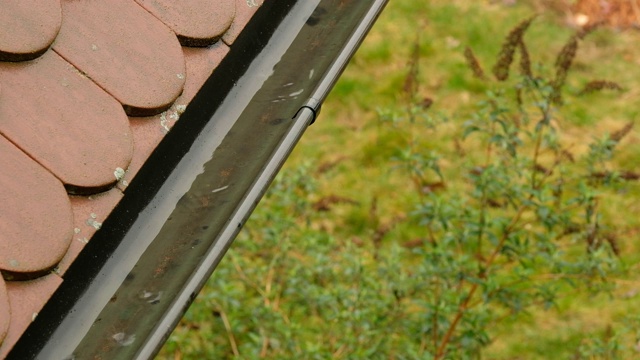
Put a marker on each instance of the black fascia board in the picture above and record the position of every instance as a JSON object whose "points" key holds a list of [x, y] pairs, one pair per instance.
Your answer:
{"points": [[132, 283]]}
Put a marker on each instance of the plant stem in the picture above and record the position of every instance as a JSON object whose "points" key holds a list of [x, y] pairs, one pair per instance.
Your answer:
{"points": [[227, 326], [461, 309], [434, 325], [474, 286]]}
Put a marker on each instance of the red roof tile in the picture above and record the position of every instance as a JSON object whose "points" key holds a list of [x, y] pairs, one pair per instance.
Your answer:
{"points": [[64, 121], [26, 298], [33, 236], [70, 73], [125, 50], [88, 214], [34, 25], [5, 314], [195, 22], [244, 11]]}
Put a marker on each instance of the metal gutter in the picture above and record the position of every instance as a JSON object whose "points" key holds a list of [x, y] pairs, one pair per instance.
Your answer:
{"points": [[127, 291]]}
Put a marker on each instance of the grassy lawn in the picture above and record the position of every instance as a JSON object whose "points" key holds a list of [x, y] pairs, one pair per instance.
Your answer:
{"points": [[329, 266]]}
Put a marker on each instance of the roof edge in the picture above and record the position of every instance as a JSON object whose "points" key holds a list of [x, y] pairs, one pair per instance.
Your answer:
{"points": [[133, 282]]}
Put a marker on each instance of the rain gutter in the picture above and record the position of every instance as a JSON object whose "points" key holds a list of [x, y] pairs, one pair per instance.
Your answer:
{"points": [[134, 281]]}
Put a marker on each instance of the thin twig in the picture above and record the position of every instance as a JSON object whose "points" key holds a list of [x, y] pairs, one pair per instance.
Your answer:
{"points": [[440, 352], [227, 326], [265, 344], [246, 279]]}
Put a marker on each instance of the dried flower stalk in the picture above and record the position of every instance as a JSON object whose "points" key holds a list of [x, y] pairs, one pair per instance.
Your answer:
{"points": [[525, 60], [618, 135], [505, 58], [598, 85], [473, 63], [410, 87], [563, 64]]}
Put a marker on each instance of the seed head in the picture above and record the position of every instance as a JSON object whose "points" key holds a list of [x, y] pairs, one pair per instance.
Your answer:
{"points": [[410, 87], [473, 63], [618, 135], [598, 85], [525, 60], [612, 239], [563, 64], [505, 58], [582, 33], [519, 97]]}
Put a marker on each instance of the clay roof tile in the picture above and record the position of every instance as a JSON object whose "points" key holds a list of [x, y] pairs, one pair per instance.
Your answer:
{"points": [[34, 235], [26, 298], [27, 28], [5, 313], [65, 122], [127, 51], [195, 22]]}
